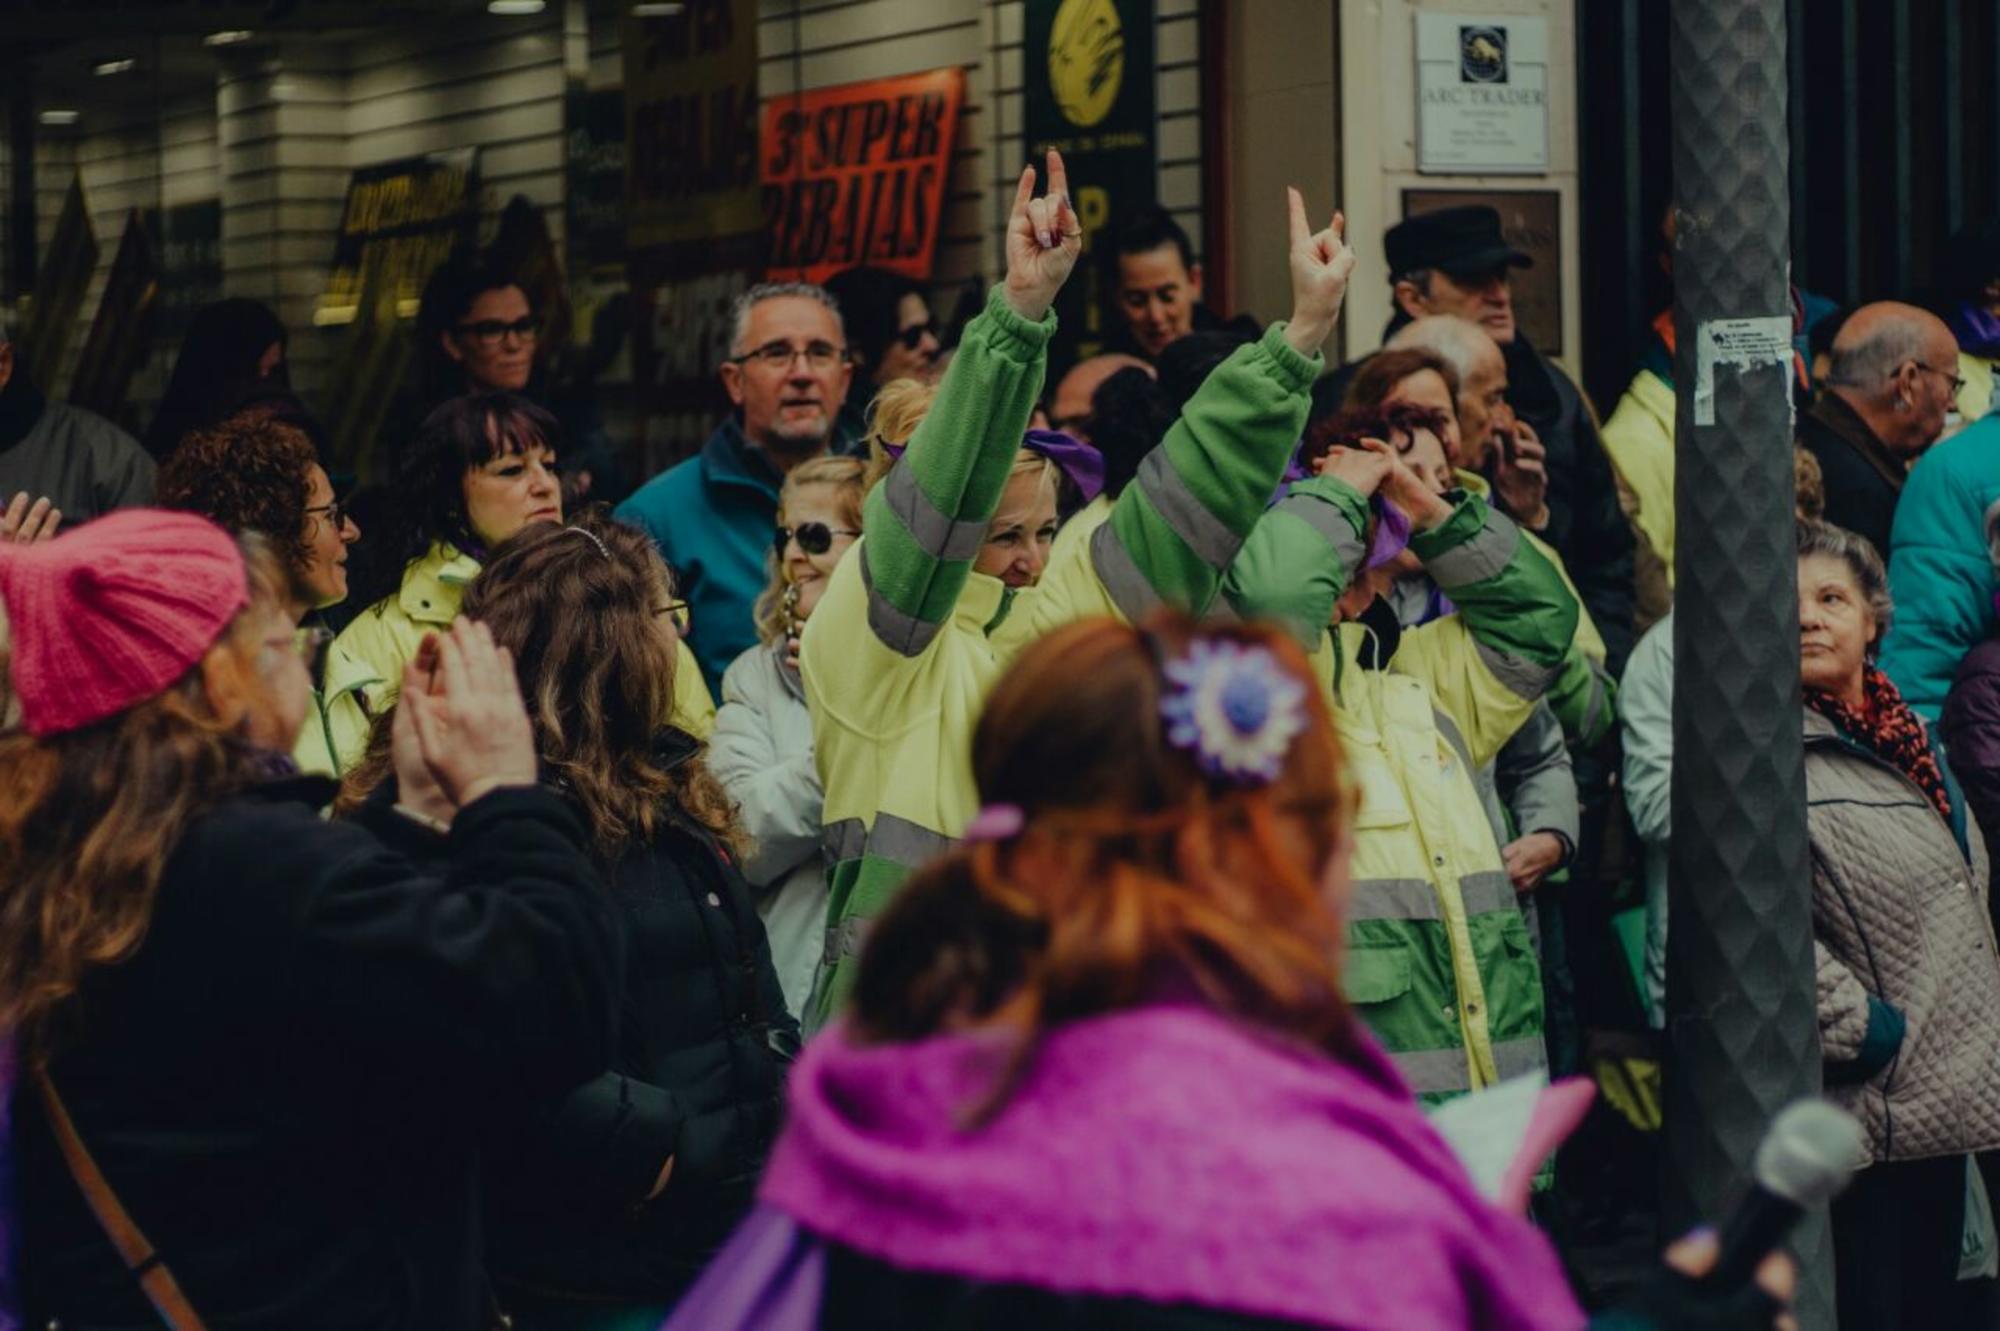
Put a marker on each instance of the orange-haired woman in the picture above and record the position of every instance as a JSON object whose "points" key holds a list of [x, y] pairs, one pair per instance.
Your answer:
{"points": [[1098, 1070]]}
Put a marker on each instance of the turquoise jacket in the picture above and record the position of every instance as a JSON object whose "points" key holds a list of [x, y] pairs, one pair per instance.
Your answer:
{"points": [[1940, 571], [712, 517]]}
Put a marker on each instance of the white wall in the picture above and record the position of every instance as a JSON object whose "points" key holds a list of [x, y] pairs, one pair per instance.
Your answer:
{"points": [[1379, 146]]}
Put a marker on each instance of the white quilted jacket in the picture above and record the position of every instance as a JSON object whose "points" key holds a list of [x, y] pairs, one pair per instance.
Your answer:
{"points": [[1898, 912]]}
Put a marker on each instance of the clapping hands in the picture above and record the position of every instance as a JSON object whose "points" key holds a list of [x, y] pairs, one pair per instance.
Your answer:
{"points": [[26, 523], [461, 730]]}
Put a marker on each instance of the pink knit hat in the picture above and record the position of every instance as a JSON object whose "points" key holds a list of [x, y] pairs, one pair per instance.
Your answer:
{"points": [[109, 614]]}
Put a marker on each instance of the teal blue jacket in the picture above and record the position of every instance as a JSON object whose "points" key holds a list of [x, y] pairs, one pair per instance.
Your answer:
{"points": [[1940, 570], [712, 517]]}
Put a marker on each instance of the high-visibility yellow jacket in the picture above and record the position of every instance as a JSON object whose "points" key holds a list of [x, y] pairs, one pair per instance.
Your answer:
{"points": [[907, 638], [1439, 962], [365, 663]]}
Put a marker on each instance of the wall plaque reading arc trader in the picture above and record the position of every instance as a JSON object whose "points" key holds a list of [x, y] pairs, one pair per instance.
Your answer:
{"points": [[1482, 94]]}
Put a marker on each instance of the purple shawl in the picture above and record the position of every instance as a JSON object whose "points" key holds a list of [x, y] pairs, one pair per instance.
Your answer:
{"points": [[1165, 1154]]}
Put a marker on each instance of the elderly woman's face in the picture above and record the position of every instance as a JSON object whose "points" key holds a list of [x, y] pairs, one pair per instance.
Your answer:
{"points": [[1836, 626]]}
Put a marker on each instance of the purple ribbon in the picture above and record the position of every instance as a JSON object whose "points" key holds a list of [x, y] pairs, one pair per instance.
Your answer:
{"points": [[1083, 464], [1392, 533]]}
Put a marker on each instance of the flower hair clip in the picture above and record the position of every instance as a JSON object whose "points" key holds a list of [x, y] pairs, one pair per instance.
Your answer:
{"points": [[1234, 709]]}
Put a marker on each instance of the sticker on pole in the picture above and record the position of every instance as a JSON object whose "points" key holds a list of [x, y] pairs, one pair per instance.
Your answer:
{"points": [[1739, 346]]}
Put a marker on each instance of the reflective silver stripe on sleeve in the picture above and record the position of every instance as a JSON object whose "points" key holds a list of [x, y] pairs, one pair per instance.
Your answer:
{"points": [[903, 842], [844, 840], [1453, 736], [901, 633], [844, 940], [1511, 1058], [1204, 533], [1393, 899], [897, 840], [938, 533], [1433, 1071], [1478, 559], [1523, 678], [1486, 891], [1599, 698], [1330, 522], [1417, 898], [1116, 569]]}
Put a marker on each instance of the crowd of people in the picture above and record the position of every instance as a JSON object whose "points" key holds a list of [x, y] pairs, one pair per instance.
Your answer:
{"points": [[1141, 790]]}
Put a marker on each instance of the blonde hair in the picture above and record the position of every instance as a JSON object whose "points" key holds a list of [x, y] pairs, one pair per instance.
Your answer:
{"points": [[893, 418], [847, 477]]}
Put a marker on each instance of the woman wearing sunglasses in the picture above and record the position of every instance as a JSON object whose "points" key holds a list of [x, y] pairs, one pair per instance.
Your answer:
{"points": [[253, 473], [889, 330], [763, 749]]}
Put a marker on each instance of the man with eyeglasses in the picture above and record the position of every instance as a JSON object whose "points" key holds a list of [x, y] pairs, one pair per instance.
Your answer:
{"points": [[712, 514], [1889, 387]]}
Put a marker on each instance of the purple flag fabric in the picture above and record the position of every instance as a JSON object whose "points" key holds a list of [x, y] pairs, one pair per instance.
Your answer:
{"points": [[769, 1278]]}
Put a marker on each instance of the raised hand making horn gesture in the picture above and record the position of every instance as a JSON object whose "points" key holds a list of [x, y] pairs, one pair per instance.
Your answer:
{"points": [[1043, 241], [1321, 262]]}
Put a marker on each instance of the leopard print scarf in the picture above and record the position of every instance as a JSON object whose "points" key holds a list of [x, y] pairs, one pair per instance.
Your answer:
{"points": [[1886, 727]]}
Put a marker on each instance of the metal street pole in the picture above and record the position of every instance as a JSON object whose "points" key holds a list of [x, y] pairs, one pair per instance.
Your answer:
{"points": [[1743, 1037]]}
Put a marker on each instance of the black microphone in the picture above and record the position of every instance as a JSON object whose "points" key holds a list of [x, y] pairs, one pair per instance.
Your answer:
{"points": [[1808, 1156]]}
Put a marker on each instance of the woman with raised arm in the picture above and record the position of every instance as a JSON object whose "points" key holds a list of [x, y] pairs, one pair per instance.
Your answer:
{"points": [[913, 629], [268, 1041]]}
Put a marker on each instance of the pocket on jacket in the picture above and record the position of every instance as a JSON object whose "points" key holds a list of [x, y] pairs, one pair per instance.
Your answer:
{"points": [[1373, 975], [1512, 973]]}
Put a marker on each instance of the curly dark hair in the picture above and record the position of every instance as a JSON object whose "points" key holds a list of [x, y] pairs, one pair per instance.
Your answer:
{"points": [[426, 499], [1388, 422], [247, 474]]}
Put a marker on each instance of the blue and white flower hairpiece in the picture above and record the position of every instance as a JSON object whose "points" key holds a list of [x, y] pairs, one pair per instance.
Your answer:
{"points": [[1234, 709]]}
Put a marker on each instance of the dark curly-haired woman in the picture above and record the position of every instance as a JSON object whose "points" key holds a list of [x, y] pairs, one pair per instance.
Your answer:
{"points": [[256, 473]]}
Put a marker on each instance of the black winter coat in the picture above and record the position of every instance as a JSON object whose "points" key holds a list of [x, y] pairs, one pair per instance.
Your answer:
{"points": [[1970, 730], [863, 1294], [1587, 526], [282, 1084], [699, 1075], [1863, 478]]}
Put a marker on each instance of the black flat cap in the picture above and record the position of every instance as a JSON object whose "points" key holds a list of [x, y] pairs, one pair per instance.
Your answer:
{"points": [[1461, 241]]}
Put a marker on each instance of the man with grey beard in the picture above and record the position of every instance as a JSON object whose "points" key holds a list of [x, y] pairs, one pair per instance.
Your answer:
{"points": [[713, 514]]}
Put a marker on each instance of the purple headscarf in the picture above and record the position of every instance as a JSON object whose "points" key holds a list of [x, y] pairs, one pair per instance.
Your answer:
{"points": [[1083, 464]]}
